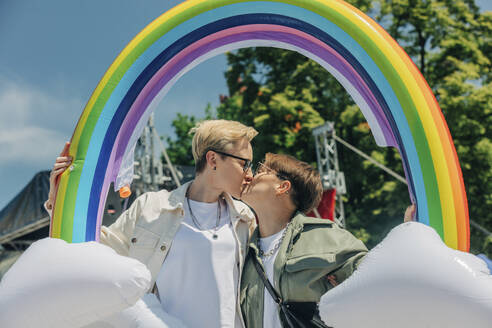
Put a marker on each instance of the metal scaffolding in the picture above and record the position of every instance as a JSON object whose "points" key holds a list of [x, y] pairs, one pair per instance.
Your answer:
{"points": [[331, 176], [148, 169]]}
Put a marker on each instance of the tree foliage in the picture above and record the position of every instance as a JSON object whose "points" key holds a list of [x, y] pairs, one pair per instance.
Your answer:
{"points": [[179, 148], [450, 41], [284, 95]]}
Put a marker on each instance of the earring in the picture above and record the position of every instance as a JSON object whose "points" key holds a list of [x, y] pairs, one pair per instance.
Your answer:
{"points": [[215, 168], [286, 192]]}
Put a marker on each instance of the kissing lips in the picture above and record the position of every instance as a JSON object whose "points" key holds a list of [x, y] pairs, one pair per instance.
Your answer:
{"points": [[244, 189]]}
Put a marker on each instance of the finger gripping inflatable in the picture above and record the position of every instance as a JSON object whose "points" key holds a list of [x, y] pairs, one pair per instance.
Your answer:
{"points": [[392, 94]]}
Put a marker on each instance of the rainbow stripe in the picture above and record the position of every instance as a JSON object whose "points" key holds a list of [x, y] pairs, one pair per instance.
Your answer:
{"points": [[392, 94]]}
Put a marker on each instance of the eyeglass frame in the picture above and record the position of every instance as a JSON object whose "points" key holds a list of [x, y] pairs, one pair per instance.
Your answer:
{"points": [[260, 164], [247, 162]]}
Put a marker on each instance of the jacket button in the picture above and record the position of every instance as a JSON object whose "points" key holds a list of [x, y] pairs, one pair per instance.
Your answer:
{"points": [[163, 248], [134, 240]]}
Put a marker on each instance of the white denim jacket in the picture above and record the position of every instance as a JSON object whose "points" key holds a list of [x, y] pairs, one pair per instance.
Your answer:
{"points": [[146, 230]]}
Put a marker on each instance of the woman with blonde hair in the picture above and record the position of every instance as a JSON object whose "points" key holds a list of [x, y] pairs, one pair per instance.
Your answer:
{"points": [[193, 239]]}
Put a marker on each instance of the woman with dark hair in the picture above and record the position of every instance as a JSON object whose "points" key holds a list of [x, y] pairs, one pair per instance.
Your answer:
{"points": [[292, 259]]}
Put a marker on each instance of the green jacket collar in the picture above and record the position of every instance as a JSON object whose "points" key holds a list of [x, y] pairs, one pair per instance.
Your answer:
{"points": [[293, 229]]}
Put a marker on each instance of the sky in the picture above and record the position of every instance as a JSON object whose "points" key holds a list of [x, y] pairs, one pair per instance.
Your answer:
{"points": [[52, 55]]}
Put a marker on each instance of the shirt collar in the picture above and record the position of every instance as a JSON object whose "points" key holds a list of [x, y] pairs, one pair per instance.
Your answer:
{"points": [[237, 209]]}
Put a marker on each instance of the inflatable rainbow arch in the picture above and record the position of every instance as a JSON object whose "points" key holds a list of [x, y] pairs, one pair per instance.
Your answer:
{"points": [[392, 94]]}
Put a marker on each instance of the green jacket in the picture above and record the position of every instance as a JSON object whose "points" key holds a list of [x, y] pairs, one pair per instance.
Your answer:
{"points": [[311, 250]]}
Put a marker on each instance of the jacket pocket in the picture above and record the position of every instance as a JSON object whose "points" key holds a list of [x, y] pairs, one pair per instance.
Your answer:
{"points": [[307, 262], [142, 244]]}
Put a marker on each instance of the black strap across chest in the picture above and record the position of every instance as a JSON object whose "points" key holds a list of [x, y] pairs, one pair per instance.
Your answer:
{"points": [[294, 318]]}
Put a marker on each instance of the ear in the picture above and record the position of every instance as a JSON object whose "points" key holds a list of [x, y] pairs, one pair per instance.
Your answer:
{"points": [[284, 187], [211, 158]]}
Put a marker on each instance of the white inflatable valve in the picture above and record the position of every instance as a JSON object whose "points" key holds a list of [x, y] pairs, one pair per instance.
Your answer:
{"points": [[56, 284], [412, 279]]}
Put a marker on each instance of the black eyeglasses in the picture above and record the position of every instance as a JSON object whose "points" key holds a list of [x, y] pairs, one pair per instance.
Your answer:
{"points": [[247, 163]]}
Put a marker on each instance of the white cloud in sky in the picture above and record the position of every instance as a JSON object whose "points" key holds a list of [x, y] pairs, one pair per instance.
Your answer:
{"points": [[34, 124], [37, 119]]}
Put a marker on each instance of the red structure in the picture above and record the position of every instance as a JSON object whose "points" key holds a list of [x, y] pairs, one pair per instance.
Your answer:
{"points": [[326, 208]]}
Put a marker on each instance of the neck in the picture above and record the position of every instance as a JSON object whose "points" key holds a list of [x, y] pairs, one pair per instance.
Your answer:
{"points": [[202, 190], [272, 219]]}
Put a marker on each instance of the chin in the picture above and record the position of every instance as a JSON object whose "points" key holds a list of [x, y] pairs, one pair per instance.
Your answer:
{"points": [[237, 194], [243, 192]]}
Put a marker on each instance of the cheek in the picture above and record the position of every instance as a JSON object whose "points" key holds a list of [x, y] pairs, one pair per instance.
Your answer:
{"points": [[237, 174], [235, 177], [261, 190]]}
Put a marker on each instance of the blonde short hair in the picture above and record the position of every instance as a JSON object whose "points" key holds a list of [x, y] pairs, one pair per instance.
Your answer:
{"points": [[217, 135]]}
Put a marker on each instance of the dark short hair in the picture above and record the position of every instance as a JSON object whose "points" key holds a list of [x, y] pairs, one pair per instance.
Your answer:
{"points": [[307, 189]]}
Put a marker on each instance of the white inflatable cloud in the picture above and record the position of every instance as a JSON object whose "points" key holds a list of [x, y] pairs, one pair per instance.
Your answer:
{"points": [[146, 313], [411, 279], [56, 284]]}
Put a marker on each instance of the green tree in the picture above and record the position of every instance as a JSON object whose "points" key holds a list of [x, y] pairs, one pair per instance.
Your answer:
{"points": [[284, 95], [450, 41], [179, 148]]}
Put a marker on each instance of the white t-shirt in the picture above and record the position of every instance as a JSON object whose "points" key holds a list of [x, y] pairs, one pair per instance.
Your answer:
{"points": [[270, 308], [199, 278]]}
